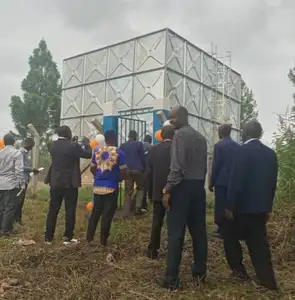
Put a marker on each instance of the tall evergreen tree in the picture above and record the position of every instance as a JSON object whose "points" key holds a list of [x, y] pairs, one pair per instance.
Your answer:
{"points": [[41, 94], [248, 105]]}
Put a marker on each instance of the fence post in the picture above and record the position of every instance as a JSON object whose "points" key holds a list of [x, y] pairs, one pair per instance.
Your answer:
{"points": [[35, 157], [160, 113]]}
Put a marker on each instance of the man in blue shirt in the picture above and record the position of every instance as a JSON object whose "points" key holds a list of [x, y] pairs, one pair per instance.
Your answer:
{"points": [[135, 160], [109, 168]]}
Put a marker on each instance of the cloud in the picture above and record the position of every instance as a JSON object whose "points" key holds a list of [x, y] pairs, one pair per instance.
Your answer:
{"points": [[259, 33]]}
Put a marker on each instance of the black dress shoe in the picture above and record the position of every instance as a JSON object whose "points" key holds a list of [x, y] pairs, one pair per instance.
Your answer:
{"points": [[241, 275], [165, 284], [152, 254]]}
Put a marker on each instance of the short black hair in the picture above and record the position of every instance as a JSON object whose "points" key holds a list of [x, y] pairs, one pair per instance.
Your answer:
{"points": [[110, 137], [132, 135], [167, 132], [225, 130], [28, 143], [8, 139], [148, 139], [252, 129], [64, 131]]}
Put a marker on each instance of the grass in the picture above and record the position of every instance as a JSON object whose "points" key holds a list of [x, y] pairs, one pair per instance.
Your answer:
{"points": [[81, 272]]}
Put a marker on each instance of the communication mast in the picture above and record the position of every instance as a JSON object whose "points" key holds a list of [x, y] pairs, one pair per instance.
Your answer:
{"points": [[221, 66]]}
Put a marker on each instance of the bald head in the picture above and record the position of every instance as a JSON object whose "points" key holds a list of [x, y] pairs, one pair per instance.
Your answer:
{"points": [[179, 116], [252, 130], [8, 140], [224, 130]]}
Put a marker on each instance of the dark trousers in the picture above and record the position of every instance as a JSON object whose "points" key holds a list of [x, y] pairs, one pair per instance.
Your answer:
{"points": [[20, 205], [187, 208], [145, 193], [220, 202], [252, 229], [159, 213], [105, 207], [57, 195], [137, 177], [8, 202]]}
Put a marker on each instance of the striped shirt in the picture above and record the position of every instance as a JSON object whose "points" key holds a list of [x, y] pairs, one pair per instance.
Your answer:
{"points": [[27, 168], [11, 169], [188, 157]]}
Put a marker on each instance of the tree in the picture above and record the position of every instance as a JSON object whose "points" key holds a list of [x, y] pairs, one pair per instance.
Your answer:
{"points": [[41, 95], [248, 105]]}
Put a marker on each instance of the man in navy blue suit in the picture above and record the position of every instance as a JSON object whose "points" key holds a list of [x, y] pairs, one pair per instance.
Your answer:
{"points": [[250, 197], [224, 151]]}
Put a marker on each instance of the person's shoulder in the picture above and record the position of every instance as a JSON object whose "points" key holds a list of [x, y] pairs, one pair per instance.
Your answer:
{"points": [[120, 151]]}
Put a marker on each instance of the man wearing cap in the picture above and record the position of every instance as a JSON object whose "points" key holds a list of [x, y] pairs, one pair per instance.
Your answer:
{"points": [[27, 147], [224, 151]]}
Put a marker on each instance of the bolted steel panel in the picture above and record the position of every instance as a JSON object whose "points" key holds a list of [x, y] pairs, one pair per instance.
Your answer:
{"points": [[193, 97], [235, 86], [121, 59], [150, 52], [72, 103], [87, 128], [194, 122], [175, 52], [148, 86], [209, 71], [193, 63], [94, 97], [207, 103], [174, 88], [73, 71], [74, 124], [120, 91], [206, 128], [96, 66], [234, 112]]}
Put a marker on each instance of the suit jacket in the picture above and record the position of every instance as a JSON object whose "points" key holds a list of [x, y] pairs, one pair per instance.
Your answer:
{"points": [[253, 179], [158, 169], [224, 152], [65, 166]]}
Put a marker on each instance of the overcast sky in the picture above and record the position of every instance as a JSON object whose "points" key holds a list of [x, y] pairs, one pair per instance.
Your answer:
{"points": [[259, 33]]}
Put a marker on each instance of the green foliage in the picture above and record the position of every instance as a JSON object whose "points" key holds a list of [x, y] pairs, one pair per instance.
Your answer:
{"points": [[41, 94], [248, 105], [285, 148]]}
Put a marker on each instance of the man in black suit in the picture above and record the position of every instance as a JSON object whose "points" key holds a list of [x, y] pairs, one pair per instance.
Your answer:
{"points": [[64, 178], [224, 151], [157, 174], [250, 197]]}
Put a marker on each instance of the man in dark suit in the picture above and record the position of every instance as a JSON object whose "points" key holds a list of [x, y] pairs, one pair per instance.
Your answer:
{"points": [[157, 174], [147, 144], [135, 158], [223, 156], [185, 198], [64, 178], [250, 197]]}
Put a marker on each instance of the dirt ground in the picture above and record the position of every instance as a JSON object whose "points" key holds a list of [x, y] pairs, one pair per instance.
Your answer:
{"points": [[82, 272]]}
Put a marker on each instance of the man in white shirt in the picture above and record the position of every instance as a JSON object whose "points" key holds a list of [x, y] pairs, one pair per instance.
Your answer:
{"points": [[11, 181]]}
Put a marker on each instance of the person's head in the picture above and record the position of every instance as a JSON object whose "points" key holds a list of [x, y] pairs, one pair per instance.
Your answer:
{"points": [[252, 130], [179, 116], [167, 132], [8, 140], [224, 130], [28, 144], [148, 139], [64, 132], [111, 138], [132, 135]]}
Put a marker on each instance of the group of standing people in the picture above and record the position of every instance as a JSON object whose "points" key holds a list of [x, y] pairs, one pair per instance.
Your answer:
{"points": [[15, 174], [172, 174]]}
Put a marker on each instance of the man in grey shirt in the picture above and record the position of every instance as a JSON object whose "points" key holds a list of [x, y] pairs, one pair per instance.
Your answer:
{"points": [[185, 199], [11, 181], [26, 148]]}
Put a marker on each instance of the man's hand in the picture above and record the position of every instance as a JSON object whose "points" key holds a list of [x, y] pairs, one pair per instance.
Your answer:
{"points": [[228, 214], [165, 199], [211, 188], [36, 171]]}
